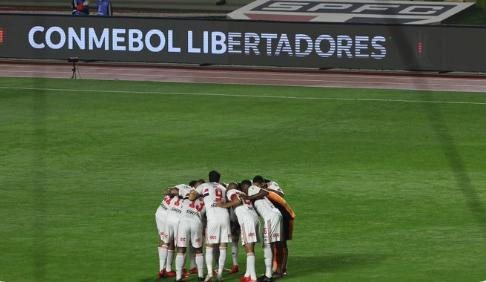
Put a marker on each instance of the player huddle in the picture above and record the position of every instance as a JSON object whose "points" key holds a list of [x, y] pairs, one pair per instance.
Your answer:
{"points": [[220, 214]]}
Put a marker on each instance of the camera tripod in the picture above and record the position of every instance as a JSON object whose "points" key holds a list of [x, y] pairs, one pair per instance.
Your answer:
{"points": [[76, 74]]}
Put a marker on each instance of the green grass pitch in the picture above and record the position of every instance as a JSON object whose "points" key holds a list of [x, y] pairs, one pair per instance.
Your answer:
{"points": [[387, 185]]}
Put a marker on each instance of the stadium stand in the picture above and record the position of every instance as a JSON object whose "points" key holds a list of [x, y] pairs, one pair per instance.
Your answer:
{"points": [[197, 8], [135, 5]]}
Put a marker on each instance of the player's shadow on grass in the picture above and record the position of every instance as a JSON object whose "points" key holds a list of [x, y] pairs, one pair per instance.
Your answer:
{"points": [[330, 263]]}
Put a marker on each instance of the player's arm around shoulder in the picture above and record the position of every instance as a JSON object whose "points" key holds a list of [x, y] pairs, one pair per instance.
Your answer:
{"points": [[234, 200], [256, 193], [199, 192], [275, 187]]}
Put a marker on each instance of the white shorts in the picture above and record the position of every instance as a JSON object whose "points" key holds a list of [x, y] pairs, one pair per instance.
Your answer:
{"points": [[250, 229], [160, 220], [218, 231], [189, 229], [172, 224], [272, 228]]}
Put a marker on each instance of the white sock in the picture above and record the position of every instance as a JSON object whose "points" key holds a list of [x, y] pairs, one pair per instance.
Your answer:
{"points": [[222, 260], [250, 266], [267, 257], [170, 257], [200, 265], [179, 263], [247, 271], [162, 257], [234, 252], [209, 261]]}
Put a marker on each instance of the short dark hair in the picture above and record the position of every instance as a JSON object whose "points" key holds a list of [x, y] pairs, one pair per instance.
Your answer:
{"points": [[258, 179], [214, 176], [245, 182], [192, 183]]}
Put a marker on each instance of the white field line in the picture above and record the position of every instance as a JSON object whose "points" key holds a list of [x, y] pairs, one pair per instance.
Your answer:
{"points": [[244, 96], [426, 85]]}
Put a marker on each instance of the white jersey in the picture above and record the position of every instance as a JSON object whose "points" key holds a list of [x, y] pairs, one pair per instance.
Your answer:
{"points": [[172, 218], [184, 189], [190, 226], [247, 218], [246, 208], [263, 206], [272, 185], [175, 207], [165, 204], [192, 210], [213, 193], [161, 217]]}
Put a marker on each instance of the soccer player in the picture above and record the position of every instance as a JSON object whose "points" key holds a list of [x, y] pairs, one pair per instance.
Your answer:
{"points": [[189, 233], [274, 186], [272, 219], [190, 251], [172, 223], [218, 223], [280, 250], [249, 224], [235, 237], [161, 216]]}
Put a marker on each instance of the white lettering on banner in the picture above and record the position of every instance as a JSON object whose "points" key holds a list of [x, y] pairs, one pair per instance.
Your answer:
{"points": [[218, 42], [419, 10], [252, 40], [94, 40], [374, 7], [148, 40], [209, 42], [74, 37], [170, 42], [330, 6], [283, 45], [352, 11], [344, 44], [206, 42], [190, 46], [32, 33], [361, 43], [269, 37], [61, 35], [117, 39], [310, 45], [376, 43], [135, 38], [233, 42], [285, 6], [332, 46]]}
